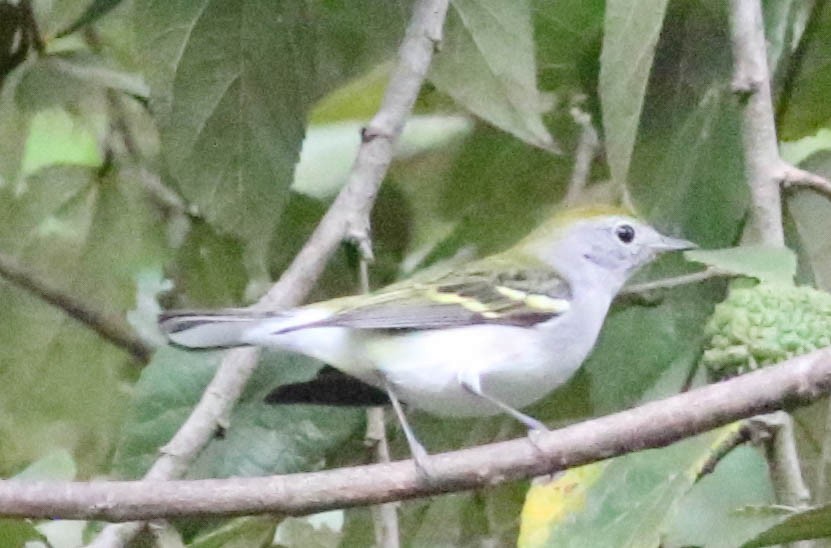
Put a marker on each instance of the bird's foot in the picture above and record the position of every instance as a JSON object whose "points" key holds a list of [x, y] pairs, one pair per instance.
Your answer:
{"points": [[534, 435], [424, 464]]}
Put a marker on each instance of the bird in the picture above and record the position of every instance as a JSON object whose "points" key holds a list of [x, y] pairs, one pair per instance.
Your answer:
{"points": [[484, 337]]}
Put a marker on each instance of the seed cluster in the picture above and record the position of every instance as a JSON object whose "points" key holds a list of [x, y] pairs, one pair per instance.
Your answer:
{"points": [[763, 325]]}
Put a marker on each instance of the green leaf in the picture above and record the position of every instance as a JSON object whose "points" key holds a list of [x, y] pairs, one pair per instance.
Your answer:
{"points": [[52, 17], [711, 513], [57, 137], [686, 174], [767, 264], [357, 99], [322, 530], [93, 70], [238, 533], [691, 178], [209, 269], [515, 188], [784, 24], [811, 213], [487, 65], [803, 108], [792, 526], [57, 465], [88, 238], [795, 152], [95, 10], [329, 150], [631, 34], [46, 84], [568, 35], [14, 127], [232, 86], [17, 532], [260, 439], [624, 502], [232, 82]]}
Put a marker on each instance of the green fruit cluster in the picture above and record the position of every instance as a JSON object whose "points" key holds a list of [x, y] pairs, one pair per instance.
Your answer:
{"points": [[763, 325]]}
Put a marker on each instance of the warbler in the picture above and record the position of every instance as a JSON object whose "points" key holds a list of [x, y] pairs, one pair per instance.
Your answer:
{"points": [[488, 336]]}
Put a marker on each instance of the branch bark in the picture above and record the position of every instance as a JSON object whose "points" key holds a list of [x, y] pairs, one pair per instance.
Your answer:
{"points": [[685, 279], [348, 217], [797, 381], [794, 177], [751, 83], [766, 173], [587, 147], [384, 516]]}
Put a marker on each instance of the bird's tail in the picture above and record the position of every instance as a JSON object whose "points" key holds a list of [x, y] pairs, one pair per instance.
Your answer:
{"points": [[215, 329]]}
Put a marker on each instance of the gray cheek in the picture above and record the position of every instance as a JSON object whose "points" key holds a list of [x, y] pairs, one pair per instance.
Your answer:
{"points": [[609, 259]]}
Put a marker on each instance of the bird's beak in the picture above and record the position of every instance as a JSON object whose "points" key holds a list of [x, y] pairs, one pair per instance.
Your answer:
{"points": [[673, 244]]}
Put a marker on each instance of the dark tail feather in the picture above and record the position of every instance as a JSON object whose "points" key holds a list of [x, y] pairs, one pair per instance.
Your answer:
{"points": [[330, 387], [212, 329]]}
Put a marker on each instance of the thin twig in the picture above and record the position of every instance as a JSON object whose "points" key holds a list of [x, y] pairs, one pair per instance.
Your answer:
{"points": [[385, 515], [676, 281], [587, 147], [821, 486], [738, 438], [110, 327], [348, 217], [794, 177], [797, 381]]}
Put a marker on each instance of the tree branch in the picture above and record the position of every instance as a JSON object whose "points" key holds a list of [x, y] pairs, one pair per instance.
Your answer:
{"points": [[384, 516], [794, 177], [348, 217], [110, 327], [780, 445], [751, 83], [666, 283], [587, 147], [797, 381], [766, 173]]}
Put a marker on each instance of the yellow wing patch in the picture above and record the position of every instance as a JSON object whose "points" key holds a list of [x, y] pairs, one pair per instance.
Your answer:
{"points": [[513, 294], [545, 303], [470, 303]]}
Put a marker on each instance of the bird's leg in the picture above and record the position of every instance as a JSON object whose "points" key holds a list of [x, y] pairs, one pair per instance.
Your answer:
{"points": [[472, 383], [422, 459]]}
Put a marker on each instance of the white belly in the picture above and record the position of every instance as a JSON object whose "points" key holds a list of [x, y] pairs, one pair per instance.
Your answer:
{"points": [[515, 365], [517, 374]]}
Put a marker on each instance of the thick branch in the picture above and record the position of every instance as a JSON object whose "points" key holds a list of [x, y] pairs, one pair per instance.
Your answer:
{"points": [[655, 424], [348, 217], [766, 172], [751, 83], [109, 326]]}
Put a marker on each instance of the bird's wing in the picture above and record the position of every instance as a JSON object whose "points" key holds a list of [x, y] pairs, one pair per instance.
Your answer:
{"points": [[509, 295]]}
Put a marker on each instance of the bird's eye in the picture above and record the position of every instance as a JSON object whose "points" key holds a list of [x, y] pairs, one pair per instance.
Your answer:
{"points": [[625, 233]]}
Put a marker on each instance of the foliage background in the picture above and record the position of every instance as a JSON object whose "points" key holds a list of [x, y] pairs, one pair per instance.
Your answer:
{"points": [[179, 153]]}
